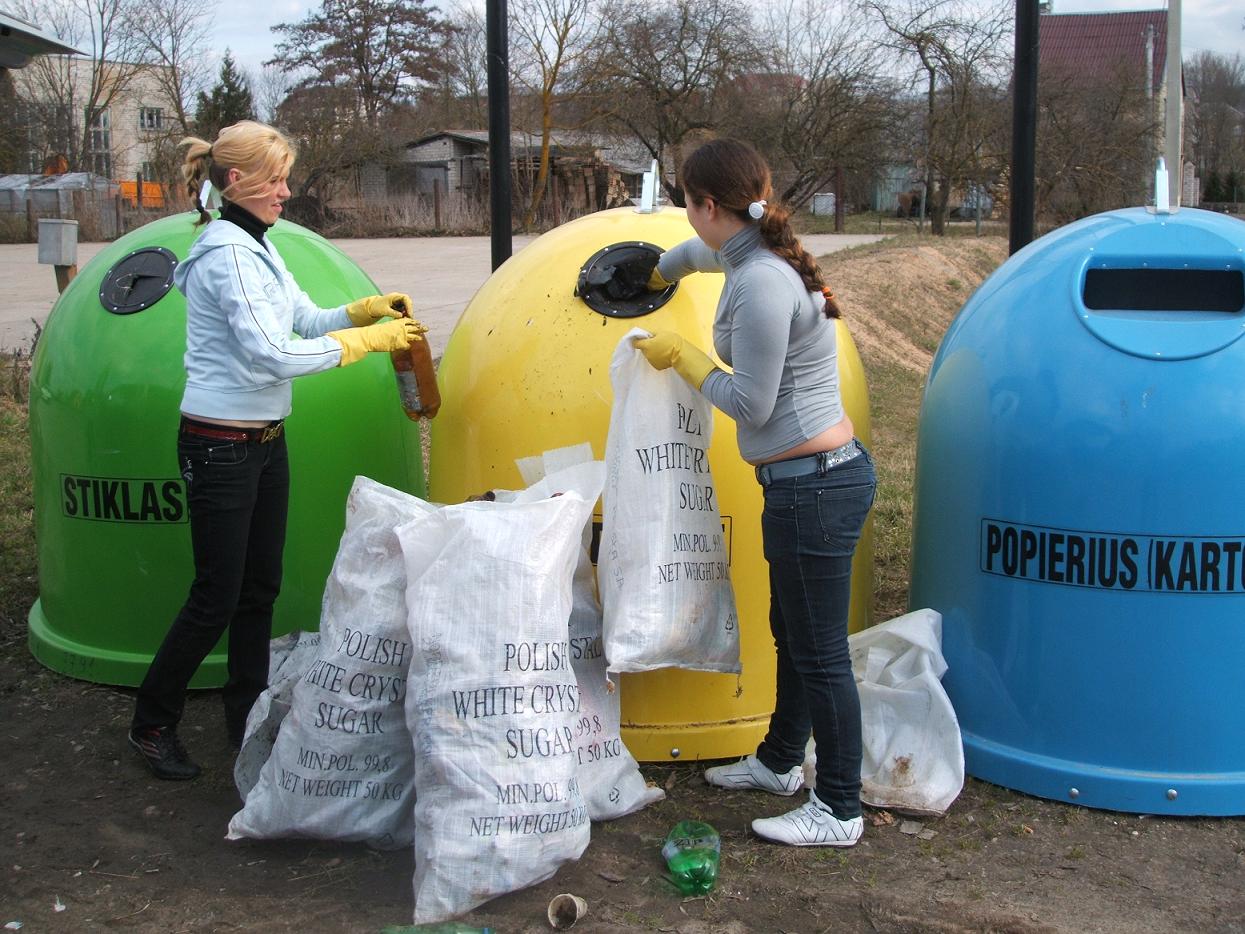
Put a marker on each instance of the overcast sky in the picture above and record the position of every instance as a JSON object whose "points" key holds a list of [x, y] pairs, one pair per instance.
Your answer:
{"points": [[1215, 25]]}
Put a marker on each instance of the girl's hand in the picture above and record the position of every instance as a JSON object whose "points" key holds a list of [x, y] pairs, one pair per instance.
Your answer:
{"points": [[364, 311]]}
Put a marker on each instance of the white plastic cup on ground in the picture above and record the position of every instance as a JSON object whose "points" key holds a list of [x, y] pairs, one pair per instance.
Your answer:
{"points": [[565, 909]]}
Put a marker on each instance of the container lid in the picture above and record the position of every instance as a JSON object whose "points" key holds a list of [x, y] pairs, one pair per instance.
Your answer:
{"points": [[138, 280], [614, 280]]}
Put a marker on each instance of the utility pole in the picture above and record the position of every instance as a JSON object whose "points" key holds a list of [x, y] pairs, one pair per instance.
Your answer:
{"points": [[1171, 144], [497, 51], [1024, 126]]}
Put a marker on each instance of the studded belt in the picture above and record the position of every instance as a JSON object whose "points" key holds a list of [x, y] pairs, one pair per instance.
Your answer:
{"points": [[818, 463]]}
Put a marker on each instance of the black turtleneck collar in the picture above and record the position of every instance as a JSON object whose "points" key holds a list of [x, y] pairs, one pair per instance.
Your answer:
{"points": [[244, 219]]}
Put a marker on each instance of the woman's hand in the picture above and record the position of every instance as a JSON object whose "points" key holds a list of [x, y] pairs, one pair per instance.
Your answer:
{"points": [[392, 335], [667, 349], [364, 311]]}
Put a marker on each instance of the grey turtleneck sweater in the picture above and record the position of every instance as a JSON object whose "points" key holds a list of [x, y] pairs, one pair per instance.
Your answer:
{"points": [[784, 388]]}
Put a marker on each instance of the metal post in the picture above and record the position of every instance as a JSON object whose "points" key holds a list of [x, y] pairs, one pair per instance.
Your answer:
{"points": [[1171, 142], [840, 209], [498, 54], [1024, 125]]}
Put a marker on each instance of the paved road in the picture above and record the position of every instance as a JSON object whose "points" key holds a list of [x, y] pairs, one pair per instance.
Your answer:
{"points": [[448, 271]]}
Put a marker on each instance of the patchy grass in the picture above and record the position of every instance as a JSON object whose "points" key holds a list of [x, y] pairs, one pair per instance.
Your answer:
{"points": [[899, 296], [18, 587], [877, 222]]}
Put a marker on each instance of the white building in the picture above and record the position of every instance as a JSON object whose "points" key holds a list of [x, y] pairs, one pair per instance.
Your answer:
{"points": [[124, 138]]}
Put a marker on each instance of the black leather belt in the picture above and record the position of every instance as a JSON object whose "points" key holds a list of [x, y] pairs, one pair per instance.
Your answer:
{"points": [[818, 463], [262, 435]]}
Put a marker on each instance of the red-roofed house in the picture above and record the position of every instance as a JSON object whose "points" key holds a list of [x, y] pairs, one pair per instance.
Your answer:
{"points": [[1092, 48], [1102, 81]]}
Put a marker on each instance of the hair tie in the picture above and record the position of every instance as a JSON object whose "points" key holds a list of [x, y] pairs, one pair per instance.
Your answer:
{"points": [[210, 150], [756, 210], [828, 294]]}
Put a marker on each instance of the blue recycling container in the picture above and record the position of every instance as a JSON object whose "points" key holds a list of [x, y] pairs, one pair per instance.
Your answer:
{"points": [[1079, 515]]}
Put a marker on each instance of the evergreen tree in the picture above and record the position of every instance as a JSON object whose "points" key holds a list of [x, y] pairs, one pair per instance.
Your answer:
{"points": [[228, 102], [1233, 190], [1212, 189]]}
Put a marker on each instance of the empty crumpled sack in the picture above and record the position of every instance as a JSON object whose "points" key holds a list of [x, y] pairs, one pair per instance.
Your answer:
{"points": [[913, 755]]}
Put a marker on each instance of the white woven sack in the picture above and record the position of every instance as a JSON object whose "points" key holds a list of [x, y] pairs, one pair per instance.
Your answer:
{"points": [[341, 765], [913, 755], [289, 657], [608, 773], [493, 700], [609, 776], [662, 566]]}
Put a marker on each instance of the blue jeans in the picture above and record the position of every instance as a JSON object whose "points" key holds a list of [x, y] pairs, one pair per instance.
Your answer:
{"points": [[809, 528], [238, 496]]}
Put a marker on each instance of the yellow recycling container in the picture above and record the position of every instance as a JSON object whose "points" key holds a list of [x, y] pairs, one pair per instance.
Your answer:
{"points": [[526, 370]]}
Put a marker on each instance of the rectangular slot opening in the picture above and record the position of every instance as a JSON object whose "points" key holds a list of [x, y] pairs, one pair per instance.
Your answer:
{"points": [[1165, 290]]}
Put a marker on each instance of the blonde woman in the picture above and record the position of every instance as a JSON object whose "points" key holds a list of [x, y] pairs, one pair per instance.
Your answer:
{"points": [[243, 309]]}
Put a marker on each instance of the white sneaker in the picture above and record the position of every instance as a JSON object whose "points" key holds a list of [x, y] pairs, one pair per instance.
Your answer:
{"points": [[810, 825], [750, 773]]}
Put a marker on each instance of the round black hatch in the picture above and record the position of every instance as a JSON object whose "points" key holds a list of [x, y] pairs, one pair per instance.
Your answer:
{"points": [[138, 280], [614, 280]]}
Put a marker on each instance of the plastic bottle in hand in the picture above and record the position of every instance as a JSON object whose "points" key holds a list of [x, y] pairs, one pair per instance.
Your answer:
{"points": [[417, 380], [691, 852]]}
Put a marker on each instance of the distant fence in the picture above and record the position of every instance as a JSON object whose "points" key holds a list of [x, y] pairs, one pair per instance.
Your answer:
{"points": [[1224, 207], [99, 218]]}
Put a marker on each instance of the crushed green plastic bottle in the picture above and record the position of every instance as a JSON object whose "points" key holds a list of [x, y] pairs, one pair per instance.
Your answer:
{"points": [[691, 852]]}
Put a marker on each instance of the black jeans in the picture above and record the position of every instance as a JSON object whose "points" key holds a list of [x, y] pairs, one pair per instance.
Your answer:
{"points": [[809, 528], [238, 494]]}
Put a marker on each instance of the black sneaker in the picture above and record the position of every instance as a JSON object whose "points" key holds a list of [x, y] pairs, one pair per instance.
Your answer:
{"points": [[164, 753]]}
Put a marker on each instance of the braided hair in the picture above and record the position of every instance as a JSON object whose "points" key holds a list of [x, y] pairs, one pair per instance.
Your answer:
{"points": [[736, 176]]}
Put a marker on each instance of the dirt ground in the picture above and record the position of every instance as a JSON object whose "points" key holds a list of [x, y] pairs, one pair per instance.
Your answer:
{"points": [[84, 828], [82, 825]]}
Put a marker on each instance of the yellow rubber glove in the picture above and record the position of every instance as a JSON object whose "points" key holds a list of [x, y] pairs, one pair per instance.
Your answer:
{"points": [[366, 310], [657, 282], [392, 335], [667, 349]]}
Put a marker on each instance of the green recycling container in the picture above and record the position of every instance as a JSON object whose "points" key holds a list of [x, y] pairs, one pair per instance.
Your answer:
{"points": [[113, 534]]}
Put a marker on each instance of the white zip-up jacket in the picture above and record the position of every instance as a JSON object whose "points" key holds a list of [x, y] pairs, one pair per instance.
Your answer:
{"points": [[243, 312]]}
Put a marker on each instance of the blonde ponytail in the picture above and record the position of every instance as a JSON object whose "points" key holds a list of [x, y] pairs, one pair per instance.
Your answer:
{"points": [[195, 170], [258, 151]]}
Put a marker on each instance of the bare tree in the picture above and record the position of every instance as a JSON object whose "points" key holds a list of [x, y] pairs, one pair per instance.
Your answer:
{"points": [[460, 97], [667, 72], [963, 58], [380, 51], [553, 45], [313, 116], [1094, 144], [174, 36], [72, 95], [821, 106], [269, 88], [1215, 124]]}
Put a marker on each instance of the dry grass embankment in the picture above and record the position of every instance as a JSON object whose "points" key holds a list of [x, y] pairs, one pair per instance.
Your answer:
{"points": [[898, 297]]}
